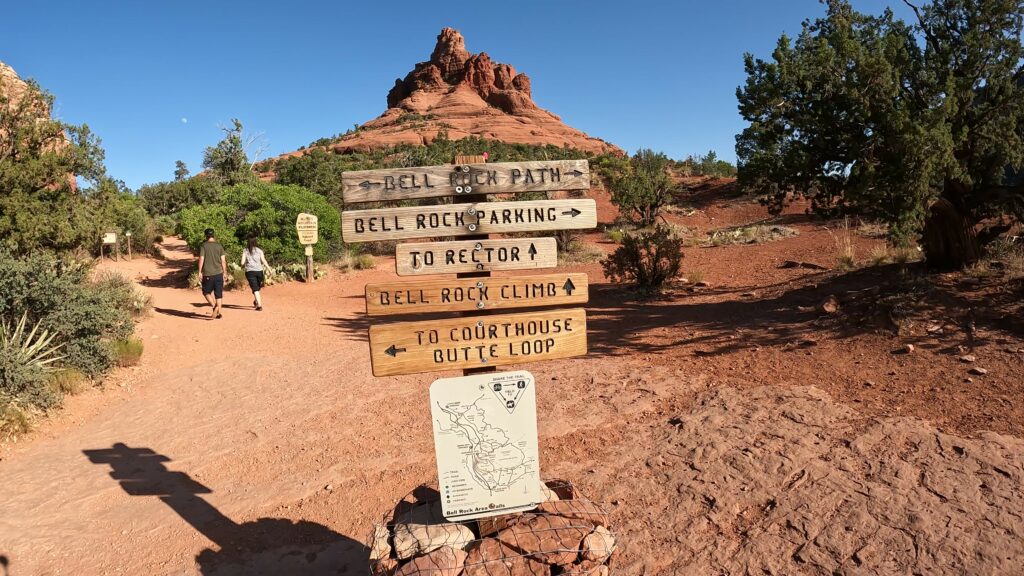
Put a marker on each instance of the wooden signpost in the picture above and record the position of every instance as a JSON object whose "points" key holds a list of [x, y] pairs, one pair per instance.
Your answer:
{"points": [[476, 178], [307, 228], [501, 477], [476, 341], [472, 294], [413, 259], [467, 219], [110, 239]]}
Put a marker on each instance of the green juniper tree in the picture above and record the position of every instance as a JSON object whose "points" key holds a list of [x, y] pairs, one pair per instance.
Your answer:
{"points": [[227, 161], [180, 171], [919, 124], [644, 188]]}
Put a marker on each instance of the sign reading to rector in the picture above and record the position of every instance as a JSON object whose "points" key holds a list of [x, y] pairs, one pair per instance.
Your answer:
{"points": [[467, 219], [454, 343], [485, 438], [307, 227], [465, 294], [436, 181], [475, 256]]}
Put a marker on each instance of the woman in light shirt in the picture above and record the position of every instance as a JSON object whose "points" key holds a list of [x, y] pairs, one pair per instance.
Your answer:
{"points": [[255, 263]]}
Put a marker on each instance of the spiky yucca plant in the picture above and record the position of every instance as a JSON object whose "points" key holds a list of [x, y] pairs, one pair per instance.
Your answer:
{"points": [[35, 348]]}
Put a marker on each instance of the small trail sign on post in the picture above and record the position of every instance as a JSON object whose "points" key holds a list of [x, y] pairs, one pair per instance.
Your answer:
{"points": [[485, 424], [308, 231]]}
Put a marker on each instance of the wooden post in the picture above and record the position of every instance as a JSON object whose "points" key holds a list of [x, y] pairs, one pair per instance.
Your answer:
{"points": [[309, 264], [128, 235], [472, 199]]}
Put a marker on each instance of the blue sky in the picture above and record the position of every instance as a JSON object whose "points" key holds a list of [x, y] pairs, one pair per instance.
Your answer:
{"points": [[155, 78]]}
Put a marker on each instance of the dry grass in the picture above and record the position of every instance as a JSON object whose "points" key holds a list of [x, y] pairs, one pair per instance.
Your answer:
{"points": [[14, 421], [846, 256], [69, 381], [873, 229], [127, 352], [753, 234], [355, 261]]}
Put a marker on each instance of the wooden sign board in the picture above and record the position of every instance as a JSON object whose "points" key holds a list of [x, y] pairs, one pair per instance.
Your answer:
{"points": [[467, 219], [465, 294], [307, 228], [109, 238], [482, 178], [413, 259], [473, 342]]}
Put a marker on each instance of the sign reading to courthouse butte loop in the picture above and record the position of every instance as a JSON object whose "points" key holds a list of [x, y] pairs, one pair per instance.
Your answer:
{"points": [[436, 181], [464, 294], [467, 219], [472, 342], [475, 256]]}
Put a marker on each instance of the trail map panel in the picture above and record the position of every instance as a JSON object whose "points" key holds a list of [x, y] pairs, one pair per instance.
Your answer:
{"points": [[466, 294], [467, 219], [418, 258], [450, 180], [485, 439], [472, 342]]}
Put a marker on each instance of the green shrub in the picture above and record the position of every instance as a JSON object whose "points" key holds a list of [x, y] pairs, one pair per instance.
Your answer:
{"points": [[644, 189], [165, 199], [363, 262], [615, 235], [15, 420], [127, 352], [83, 315], [26, 357], [267, 212], [647, 258]]}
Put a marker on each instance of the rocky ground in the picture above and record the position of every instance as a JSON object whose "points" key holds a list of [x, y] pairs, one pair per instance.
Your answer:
{"points": [[740, 427]]}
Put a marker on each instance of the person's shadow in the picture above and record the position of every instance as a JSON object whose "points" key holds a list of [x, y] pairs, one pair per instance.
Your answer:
{"points": [[265, 546]]}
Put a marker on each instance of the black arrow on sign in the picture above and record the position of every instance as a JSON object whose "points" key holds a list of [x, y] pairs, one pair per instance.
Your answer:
{"points": [[532, 251], [392, 351], [569, 286], [574, 213], [575, 173], [365, 184]]}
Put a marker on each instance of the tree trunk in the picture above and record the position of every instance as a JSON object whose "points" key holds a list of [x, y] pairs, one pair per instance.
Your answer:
{"points": [[949, 240]]}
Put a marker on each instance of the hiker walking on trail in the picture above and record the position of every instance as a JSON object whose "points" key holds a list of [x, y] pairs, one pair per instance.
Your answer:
{"points": [[255, 263], [212, 266]]}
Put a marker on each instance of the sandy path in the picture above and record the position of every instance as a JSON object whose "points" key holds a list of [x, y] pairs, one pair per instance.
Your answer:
{"points": [[261, 444]]}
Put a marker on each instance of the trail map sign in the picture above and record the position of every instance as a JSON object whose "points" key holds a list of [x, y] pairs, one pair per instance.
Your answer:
{"points": [[475, 255], [485, 438], [453, 343], [467, 219], [466, 294], [437, 181], [307, 228]]}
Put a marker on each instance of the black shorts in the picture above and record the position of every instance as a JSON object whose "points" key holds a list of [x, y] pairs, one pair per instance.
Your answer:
{"points": [[256, 279], [214, 284]]}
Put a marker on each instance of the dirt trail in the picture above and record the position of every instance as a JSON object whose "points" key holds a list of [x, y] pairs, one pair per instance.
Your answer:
{"points": [[261, 444]]}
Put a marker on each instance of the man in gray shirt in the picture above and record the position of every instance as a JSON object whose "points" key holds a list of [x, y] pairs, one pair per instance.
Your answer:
{"points": [[212, 265]]}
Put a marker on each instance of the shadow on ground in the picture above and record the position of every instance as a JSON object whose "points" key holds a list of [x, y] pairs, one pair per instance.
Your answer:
{"points": [[264, 546]]}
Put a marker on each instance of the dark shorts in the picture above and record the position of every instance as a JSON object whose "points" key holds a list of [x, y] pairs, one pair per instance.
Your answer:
{"points": [[255, 279], [214, 284]]}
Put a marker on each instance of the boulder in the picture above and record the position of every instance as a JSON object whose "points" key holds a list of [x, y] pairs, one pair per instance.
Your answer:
{"points": [[415, 539], [598, 545], [379, 546], [490, 557], [445, 561], [829, 306], [550, 539]]}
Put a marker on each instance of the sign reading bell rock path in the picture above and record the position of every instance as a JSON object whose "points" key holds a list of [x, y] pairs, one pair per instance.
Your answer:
{"points": [[485, 438], [437, 181], [467, 219]]}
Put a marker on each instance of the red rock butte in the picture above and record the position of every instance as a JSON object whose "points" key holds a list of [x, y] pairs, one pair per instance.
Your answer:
{"points": [[467, 95]]}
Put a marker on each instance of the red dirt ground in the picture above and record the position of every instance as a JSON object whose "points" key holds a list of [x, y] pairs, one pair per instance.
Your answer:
{"points": [[731, 428]]}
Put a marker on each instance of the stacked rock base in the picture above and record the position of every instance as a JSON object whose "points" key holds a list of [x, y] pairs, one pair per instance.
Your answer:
{"points": [[565, 534]]}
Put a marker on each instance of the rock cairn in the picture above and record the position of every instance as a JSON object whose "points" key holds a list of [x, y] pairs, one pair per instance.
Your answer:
{"points": [[565, 534]]}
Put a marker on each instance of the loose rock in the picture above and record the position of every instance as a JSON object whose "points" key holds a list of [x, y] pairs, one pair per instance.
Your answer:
{"points": [[379, 547], [490, 557], [598, 545], [576, 510], [978, 371], [445, 561], [550, 539], [829, 306], [415, 539], [967, 358]]}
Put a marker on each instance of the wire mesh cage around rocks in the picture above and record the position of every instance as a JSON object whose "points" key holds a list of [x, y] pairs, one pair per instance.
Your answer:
{"points": [[565, 534]]}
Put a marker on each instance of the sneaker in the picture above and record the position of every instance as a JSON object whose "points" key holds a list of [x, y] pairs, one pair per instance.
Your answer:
{"points": [[259, 308]]}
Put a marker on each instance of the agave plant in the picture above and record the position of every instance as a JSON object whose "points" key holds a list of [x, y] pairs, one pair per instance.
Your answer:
{"points": [[35, 348]]}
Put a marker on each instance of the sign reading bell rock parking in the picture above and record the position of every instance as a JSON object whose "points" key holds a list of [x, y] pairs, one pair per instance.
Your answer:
{"points": [[307, 228], [485, 439]]}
